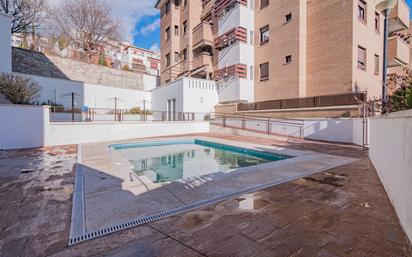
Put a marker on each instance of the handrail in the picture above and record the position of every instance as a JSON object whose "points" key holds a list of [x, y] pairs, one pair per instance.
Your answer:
{"points": [[269, 121]]}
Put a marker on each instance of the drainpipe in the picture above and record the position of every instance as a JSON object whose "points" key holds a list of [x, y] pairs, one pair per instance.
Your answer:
{"points": [[386, 13]]}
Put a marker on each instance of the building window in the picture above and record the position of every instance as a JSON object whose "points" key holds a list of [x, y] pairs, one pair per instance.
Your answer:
{"points": [[361, 58], [264, 71], [167, 60], [167, 7], [184, 3], [167, 34], [362, 11], [176, 56], [177, 2], [176, 30], [264, 35], [288, 17], [185, 54], [377, 22], [376, 64], [184, 28], [264, 3], [288, 59], [154, 65]]}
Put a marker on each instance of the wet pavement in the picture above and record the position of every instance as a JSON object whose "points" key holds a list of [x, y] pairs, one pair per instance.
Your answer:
{"points": [[341, 212]]}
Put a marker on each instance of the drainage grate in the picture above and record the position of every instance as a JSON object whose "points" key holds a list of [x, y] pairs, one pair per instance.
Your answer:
{"points": [[187, 208]]}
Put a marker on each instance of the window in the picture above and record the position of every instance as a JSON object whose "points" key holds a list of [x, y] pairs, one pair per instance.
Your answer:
{"points": [[288, 59], [167, 60], [264, 35], [154, 65], [362, 11], [184, 3], [176, 56], [177, 2], [288, 17], [167, 7], [185, 54], [264, 3], [176, 30], [361, 58], [184, 28], [377, 22], [264, 71], [167, 34], [376, 64]]}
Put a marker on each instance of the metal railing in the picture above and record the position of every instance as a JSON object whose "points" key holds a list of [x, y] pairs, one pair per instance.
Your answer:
{"points": [[307, 102], [122, 115], [270, 126]]}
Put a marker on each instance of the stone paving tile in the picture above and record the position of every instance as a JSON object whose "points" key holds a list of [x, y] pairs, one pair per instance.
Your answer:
{"points": [[342, 212]]}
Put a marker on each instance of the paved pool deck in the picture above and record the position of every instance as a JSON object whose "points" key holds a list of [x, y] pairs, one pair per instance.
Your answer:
{"points": [[343, 211]]}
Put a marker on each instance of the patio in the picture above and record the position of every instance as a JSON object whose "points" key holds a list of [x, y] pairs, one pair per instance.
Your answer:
{"points": [[340, 212]]}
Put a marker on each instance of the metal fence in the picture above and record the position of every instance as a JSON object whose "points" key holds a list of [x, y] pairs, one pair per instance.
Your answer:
{"points": [[270, 126], [122, 115], [307, 102]]}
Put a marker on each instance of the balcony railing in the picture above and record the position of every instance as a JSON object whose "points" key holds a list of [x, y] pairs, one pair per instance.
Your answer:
{"points": [[234, 71], [223, 6], [398, 52], [230, 37], [307, 102], [399, 18], [202, 35], [207, 10]]}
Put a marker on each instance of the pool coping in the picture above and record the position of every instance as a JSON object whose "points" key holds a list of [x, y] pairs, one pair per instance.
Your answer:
{"points": [[78, 231]]}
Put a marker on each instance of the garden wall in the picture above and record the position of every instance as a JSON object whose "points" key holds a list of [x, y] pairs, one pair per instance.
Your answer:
{"points": [[391, 154]]}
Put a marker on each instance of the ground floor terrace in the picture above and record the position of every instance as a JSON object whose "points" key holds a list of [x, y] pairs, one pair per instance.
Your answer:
{"points": [[341, 211]]}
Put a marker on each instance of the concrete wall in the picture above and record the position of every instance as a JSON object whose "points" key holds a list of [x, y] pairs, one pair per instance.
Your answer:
{"points": [[5, 43], [76, 133], [391, 153], [192, 95], [29, 126], [22, 126], [90, 95]]}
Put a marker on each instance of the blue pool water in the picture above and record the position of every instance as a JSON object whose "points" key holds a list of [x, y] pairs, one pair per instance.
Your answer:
{"points": [[162, 161]]}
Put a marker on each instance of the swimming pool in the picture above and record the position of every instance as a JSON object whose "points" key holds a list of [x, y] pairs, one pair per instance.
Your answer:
{"points": [[163, 161]]}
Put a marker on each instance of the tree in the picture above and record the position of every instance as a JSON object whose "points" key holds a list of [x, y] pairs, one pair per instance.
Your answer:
{"points": [[27, 15], [401, 99], [88, 23], [18, 89]]}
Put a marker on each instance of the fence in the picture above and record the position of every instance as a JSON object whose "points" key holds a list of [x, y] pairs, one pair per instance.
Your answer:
{"points": [[122, 115], [285, 127], [307, 102]]}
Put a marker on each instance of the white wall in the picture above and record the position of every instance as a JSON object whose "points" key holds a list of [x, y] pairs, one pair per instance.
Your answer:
{"points": [[235, 54], [192, 95], [391, 153], [235, 89], [75, 133], [22, 126], [98, 96], [56, 90], [25, 126], [5, 43], [150, 82]]}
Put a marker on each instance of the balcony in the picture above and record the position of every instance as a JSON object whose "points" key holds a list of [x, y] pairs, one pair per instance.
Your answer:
{"points": [[202, 35], [234, 71], [207, 10], [398, 52], [223, 6], [233, 35], [399, 18], [202, 64]]}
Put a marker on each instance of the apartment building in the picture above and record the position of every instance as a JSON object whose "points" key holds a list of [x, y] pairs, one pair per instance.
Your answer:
{"points": [[260, 50]]}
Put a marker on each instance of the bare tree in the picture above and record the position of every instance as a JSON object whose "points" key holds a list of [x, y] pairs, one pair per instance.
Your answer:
{"points": [[27, 15], [18, 89], [88, 23]]}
